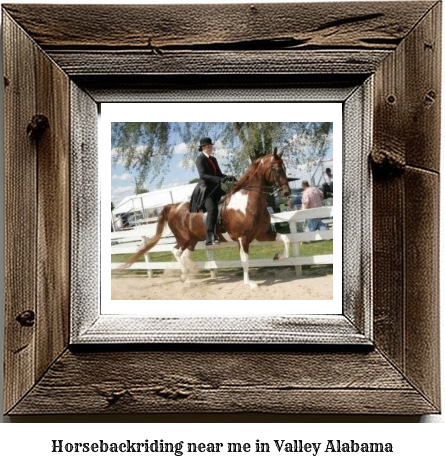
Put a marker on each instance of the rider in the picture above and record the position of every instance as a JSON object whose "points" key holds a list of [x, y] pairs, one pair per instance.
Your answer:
{"points": [[208, 191]]}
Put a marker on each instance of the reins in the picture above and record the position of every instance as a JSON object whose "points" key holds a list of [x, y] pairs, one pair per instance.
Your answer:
{"points": [[257, 189], [203, 202]]}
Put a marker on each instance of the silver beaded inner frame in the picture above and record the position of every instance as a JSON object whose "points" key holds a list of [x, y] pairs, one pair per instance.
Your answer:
{"points": [[353, 327]]}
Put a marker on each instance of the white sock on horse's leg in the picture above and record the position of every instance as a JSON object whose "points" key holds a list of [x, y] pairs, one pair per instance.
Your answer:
{"points": [[177, 254], [286, 242], [185, 259], [245, 263]]}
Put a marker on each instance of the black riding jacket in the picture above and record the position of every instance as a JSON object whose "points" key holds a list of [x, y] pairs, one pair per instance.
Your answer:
{"points": [[209, 184]]}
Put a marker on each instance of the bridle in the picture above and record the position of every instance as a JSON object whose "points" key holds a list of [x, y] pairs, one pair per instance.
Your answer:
{"points": [[276, 165]]}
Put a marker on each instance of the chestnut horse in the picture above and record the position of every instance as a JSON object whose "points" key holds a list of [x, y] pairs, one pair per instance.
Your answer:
{"points": [[244, 216]]}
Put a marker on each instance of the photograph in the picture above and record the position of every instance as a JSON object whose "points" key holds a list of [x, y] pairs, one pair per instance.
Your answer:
{"points": [[216, 210]]}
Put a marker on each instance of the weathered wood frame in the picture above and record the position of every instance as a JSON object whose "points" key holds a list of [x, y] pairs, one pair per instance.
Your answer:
{"points": [[91, 325], [69, 60]]}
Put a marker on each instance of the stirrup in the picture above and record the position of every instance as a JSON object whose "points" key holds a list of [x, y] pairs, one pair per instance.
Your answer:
{"points": [[216, 239]]}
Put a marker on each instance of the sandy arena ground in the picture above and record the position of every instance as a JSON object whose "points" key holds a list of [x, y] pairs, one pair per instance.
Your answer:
{"points": [[274, 284]]}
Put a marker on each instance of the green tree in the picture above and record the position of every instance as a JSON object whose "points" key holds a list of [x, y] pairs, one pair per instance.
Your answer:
{"points": [[147, 148], [139, 187], [143, 148]]}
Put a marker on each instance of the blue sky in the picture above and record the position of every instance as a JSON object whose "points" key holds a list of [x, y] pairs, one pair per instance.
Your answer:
{"points": [[122, 182]]}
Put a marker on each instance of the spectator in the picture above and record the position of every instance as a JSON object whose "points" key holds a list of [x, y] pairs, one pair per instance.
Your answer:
{"points": [[328, 177], [298, 202], [328, 185], [312, 198]]}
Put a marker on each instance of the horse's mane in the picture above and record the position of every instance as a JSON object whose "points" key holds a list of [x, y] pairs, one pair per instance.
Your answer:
{"points": [[246, 178]]}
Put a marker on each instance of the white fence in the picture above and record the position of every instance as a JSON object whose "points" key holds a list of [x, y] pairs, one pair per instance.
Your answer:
{"points": [[128, 242]]}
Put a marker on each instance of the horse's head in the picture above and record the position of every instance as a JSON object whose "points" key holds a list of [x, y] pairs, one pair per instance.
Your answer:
{"points": [[276, 172]]}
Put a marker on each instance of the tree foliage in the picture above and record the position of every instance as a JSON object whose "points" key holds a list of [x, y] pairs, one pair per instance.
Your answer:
{"points": [[142, 148], [147, 148], [139, 187]]}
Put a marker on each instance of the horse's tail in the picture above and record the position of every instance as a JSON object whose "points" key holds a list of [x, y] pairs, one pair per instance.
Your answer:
{"points": [[152, 242]]}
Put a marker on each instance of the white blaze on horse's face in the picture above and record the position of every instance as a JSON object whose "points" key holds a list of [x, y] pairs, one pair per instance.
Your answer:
{"points": [[238, 201]]}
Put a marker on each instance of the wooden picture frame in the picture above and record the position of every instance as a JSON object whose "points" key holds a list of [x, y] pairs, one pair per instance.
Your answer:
{"points": [[235, 322], [64, 64]]}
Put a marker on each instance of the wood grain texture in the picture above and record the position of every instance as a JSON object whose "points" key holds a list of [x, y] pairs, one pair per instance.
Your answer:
{"points": [[223, 382], [423, 91], [357, 209], [422, 281], [20, 211], [53, 227], [423, 88], [108, 329], [388, 219], [78, 63], [398, 41], [218, 87], [238, 39], [408, 97], [85, 211], [406, 211], [160, 27], [388, 271], [37, 230]]}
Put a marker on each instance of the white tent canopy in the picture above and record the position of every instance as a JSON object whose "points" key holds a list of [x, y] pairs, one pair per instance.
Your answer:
{"points": [[155, 199], [314, 175]]}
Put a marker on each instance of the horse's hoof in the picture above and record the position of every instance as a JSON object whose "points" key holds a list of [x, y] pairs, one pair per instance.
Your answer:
{"points": [[276, 257], [253, 285], [184, 279]]}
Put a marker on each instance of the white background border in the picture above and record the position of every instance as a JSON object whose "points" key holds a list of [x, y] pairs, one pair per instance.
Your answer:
{"points": [[214, 112]]}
